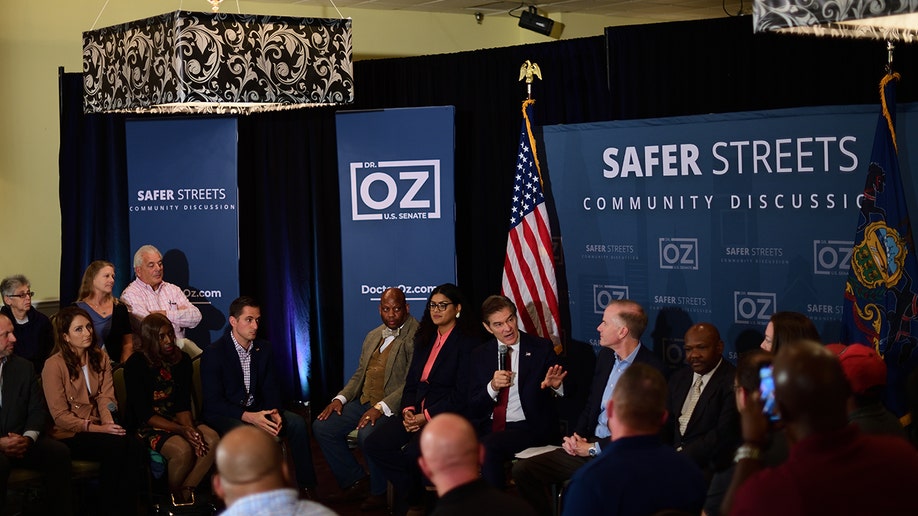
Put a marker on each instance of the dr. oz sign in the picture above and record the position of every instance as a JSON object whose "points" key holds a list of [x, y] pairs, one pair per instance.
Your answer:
{"points": [[395, 190]]}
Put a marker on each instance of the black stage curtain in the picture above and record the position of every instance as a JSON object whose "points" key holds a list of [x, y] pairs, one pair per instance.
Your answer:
{"points": [[288, 209]]}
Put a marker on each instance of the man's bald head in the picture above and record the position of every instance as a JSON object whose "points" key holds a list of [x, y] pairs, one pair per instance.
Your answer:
{"points": [[450, 453], [248, 461], [810, 387]]}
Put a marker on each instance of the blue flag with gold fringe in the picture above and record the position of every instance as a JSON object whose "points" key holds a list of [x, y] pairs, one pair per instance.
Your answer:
{"points": [[881, 304]]}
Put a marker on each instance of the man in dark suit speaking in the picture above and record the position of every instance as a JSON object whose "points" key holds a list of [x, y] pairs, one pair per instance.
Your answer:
{"points": [[240, 387], [514, 376], [22, 418], [623, 323], [703, 421]]}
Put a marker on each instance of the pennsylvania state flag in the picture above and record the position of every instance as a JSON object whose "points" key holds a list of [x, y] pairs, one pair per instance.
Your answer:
{"points": [[881, 305]]}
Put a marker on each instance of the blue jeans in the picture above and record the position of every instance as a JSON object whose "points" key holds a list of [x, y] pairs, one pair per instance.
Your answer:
{"points": [[332, 437]]}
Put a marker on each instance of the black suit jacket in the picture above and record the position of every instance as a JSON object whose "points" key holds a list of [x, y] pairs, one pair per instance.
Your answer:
{"points": [[222, 384], [536, 355], [713, 432], [586, 425], [24, 406], [447, 385]]}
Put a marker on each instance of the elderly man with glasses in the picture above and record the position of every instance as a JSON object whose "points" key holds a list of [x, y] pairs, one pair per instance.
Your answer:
{"points": [[32, 329]]}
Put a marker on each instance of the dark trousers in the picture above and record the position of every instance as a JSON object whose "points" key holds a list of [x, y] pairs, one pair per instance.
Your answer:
{"points": [[535, 475], [295, 430], [118, 468], [500, 447], [395, 452], [51, 458]]}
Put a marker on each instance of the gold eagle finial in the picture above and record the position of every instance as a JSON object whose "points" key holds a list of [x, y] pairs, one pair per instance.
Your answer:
{"points": [[529, 71]]}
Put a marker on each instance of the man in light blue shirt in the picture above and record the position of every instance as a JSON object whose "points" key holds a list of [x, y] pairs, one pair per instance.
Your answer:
{"points": [[253, 480]]}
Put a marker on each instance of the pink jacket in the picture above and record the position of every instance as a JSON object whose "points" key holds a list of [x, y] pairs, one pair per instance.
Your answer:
{"points": [[70, 403]]}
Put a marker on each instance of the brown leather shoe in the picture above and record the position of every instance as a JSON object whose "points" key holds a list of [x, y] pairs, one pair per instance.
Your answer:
{"points": [[353, 493], [374, 502]]}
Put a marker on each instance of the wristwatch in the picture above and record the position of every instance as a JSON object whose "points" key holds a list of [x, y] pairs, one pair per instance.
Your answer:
{"points": [[593, 451], [747, 451], [378, 406]]}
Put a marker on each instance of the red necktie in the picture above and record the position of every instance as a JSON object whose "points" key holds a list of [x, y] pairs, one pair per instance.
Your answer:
{"points": [[500, 410]]}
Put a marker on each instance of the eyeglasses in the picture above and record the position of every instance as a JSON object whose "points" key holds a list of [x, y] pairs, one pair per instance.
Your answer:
{"points": [[24, 294], [439, 307]]}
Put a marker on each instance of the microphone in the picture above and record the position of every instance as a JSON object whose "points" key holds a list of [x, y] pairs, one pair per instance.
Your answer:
{"points": [[501, 356], [114, 411]]}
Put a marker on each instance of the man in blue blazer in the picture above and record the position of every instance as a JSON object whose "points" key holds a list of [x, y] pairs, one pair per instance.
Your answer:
{"points": [[511, 407], [22, 418], [239, 387], [623, 323]]}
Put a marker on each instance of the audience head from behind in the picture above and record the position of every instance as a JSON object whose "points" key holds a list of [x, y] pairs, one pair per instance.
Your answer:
{"points": [[748, 377], [148, 265], [786, 327], [157, 340], [703, 348], [450, 453], [638, 403], [811, 390], [17, 295], [252, 476], [249, 461]]}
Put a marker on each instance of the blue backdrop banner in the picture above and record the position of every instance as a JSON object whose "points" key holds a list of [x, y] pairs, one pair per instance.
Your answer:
{"points": [[718, 218], [395, 169], [182, 199]]}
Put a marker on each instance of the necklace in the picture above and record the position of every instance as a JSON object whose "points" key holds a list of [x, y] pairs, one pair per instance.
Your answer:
{"points": [[98, 308]]}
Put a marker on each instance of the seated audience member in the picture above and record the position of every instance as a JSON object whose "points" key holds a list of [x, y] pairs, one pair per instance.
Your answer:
{"points": [[372, 396], [158, 381], [703, 421], [24, 417], [450, 458], [866, 374], [437, 382], [149, 294], [774, 451], [636, 474], [623, 323], [788, 327], [34, 336], [77, 380], [240, 386], [512, 408], [252, 477], [110, 318], [827, 455]]}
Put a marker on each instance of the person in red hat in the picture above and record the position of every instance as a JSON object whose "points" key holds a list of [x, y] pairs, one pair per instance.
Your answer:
{"points": [[866, 373]]}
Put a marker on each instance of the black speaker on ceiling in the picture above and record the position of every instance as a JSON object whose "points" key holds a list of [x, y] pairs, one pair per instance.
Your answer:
{"points": [[529, 19]]}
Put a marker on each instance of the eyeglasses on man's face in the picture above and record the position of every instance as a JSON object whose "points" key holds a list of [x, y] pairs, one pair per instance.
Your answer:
{"points": [[28, 294], [439, 307]]}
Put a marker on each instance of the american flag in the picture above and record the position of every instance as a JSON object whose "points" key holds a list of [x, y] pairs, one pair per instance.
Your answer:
{"points": [[529, 268]]}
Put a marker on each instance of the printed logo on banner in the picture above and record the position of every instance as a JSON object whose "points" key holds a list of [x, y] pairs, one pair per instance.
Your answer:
{"points": [[754, 307], [604, 294], [673, 351], [679, 253], [395, 190], [832, 257]]}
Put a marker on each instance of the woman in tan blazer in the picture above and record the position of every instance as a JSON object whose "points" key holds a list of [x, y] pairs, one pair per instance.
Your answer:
{"points": [[77, 380]]}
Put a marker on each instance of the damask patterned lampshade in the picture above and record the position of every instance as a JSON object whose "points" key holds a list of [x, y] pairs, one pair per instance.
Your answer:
{"points": [[888, 20], [219, 63]]}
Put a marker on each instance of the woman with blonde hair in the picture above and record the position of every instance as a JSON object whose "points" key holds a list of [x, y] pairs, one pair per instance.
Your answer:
{"points": [[110, 317]]}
